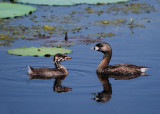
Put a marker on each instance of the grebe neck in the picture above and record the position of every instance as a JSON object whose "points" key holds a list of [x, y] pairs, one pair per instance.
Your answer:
{"points": [[105, 61], [61, 67], [58, 65], [107, 57]]}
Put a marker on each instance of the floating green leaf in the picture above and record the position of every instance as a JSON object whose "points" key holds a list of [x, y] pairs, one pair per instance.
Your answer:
{"points": [[38, 51], [12, 10], [69, 2]]}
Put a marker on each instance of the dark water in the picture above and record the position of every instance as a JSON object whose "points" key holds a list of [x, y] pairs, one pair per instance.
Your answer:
{"points": [[140, 95]]}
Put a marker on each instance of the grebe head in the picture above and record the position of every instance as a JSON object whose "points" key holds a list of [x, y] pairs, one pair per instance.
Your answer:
{"points": [[102, 47], [60, 57]]}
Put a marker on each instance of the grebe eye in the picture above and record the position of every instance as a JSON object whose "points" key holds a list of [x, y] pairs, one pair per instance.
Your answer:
{"points": [[99, 45]]}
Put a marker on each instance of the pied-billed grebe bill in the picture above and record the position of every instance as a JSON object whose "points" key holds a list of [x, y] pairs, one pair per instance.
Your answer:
{"points": [[118, 69], [59, 70]]}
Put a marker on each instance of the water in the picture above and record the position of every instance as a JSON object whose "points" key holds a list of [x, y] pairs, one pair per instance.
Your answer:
{"points": [[140, 95]]}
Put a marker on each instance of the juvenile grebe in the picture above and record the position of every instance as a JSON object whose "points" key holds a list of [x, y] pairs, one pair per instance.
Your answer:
{"points": [[118, 69], [45, 72]]}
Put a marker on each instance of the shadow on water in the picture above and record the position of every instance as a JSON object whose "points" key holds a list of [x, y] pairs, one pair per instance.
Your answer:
{"points": [[106, 94], [57, 85]]}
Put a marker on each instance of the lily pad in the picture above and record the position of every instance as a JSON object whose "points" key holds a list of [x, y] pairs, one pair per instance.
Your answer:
{"points": [[69, 2], [38, 51], [12, 10]]}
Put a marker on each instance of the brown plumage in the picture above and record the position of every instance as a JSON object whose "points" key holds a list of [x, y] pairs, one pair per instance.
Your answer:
{"points": [[118, 69], [46, 72]]}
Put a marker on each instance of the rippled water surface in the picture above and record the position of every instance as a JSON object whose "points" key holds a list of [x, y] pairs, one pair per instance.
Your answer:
{"points": [[87, 93]]}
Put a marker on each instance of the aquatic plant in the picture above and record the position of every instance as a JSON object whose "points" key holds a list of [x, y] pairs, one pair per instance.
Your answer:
{"points": [[102, 34], [8, 10], [38, 51], [69, 2], [46, 27], [111, 22], [136, 8]]}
